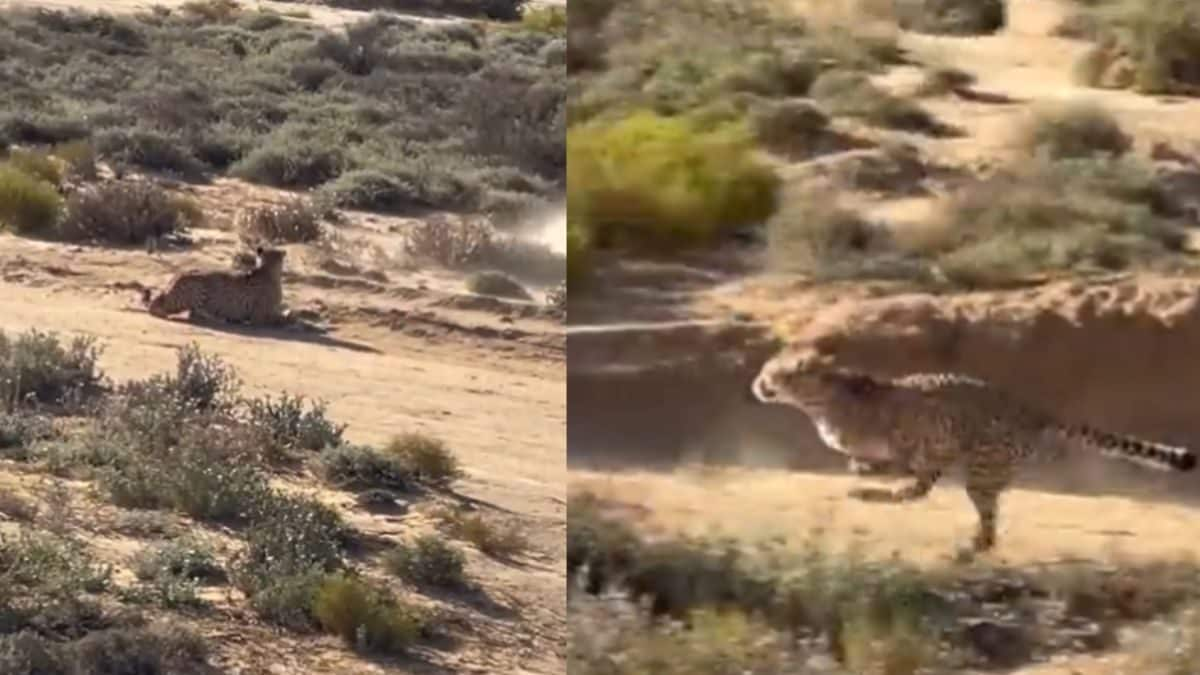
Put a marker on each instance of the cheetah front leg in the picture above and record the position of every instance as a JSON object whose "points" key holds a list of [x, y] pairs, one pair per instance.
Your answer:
{"points": [[918, 489], [988, 474]]}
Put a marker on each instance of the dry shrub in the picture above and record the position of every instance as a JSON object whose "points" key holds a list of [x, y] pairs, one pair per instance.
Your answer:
{"points": [[952, 17], [214, 11], [449, 242], [497, 284], [126, 212], [851, 94], [1074, 130], [503, 540], [79, 157], [293, 222], [473, 243], [944, 80]]}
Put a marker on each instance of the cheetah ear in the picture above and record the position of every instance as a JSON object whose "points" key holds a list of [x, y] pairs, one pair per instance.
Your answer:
{"points": [[259, 251]]}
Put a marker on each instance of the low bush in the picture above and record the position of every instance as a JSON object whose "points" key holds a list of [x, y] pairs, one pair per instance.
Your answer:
{"points": [[1052, 216], [503, 540], [427, 560], [428, 458], [287, 425], [660, 183], [288, 536], [288, 162], [28, 204], [851, 94], [293, 222], [126, 212], [498, 284], [364, 617], [362, 467], [1073, 131], [37, 164], [39, 367], [952, 17]]}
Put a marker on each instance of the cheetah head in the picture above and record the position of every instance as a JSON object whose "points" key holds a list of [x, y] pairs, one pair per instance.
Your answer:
{"points": [[270, 257], [806, 378]]}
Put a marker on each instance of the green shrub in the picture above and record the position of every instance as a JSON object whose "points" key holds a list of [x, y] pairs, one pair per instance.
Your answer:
{"points": [[289, 536], [288, 601], [1075, 130], [1050, 216], [39, 366], [19, 431], [428, 458], [291, 163], [37, 164], [287, 425], [427, 560], [664, 183], [28, 204], [366, 618], [149, 149], [363, 467], [547, 19], [187, 558]]}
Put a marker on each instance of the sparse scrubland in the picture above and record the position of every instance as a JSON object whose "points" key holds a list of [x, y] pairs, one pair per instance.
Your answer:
{"points": [[775, 86], [244, 474], [641, 604], [388, 115]]}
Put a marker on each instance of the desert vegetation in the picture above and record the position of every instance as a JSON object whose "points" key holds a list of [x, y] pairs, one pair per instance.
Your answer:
{"points": [[188, 446], [719, 606], [772, 90], [387, 114]]}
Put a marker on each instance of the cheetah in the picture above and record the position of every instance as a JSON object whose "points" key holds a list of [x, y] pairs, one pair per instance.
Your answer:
{"points": [[924, 423], [254, 296]]}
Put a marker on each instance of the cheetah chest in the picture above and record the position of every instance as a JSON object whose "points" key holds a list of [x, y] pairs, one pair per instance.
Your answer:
{"points": [[831, 435]]}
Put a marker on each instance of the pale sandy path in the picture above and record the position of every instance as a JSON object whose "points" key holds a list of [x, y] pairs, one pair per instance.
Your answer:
{"points": [[508, 425]]}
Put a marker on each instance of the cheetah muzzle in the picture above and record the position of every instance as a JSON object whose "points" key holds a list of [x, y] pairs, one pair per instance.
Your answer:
{"points": [[925, 423]]}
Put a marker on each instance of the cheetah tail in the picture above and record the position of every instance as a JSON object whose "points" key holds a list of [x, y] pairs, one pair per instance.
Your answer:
{"points": [[1145, 453]]}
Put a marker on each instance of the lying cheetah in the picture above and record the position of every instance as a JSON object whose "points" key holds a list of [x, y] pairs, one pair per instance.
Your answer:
{"points": [[924, 423], [255, 296]]}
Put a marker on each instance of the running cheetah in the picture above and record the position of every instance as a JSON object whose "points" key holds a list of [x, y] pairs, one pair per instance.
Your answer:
{"points": [[924, 423], [254, 297]]}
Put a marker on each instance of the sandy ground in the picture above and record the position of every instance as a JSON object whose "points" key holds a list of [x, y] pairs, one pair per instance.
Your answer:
{"points": [[396, 348]]}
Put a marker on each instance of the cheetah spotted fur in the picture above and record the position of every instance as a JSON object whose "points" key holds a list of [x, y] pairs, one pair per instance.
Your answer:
{"points": [[925, 423], [254, 296]]}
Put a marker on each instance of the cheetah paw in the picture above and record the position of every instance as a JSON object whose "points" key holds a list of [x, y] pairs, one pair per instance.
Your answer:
{"points": [[872, 494]]}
